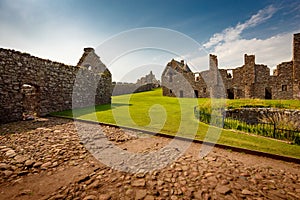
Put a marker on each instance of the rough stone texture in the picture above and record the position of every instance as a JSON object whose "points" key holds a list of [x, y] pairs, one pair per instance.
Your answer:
{"points": [[149, 78], [248, 81], [130, 88], [296, 65], [143, 84], [221, 175], [255, 115], [31, 85]]}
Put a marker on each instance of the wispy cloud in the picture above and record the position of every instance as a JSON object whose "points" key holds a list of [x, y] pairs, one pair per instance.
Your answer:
{"points": [[233, 33], [271, 51]]}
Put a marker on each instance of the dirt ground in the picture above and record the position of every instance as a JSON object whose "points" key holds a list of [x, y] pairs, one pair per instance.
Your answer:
{"points": [[46, 159]]}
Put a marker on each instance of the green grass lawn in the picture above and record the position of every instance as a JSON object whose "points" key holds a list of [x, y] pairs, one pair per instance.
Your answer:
{"points": [[175, 116]]}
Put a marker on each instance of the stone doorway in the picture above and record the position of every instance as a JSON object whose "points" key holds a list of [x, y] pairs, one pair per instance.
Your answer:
{"points": [[268, 93], [30, 101], [181, 93], [196, 93], [230, 93]]}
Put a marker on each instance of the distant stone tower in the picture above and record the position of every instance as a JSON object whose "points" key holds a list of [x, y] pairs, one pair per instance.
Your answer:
{"points": [[296, 56], [296, 66], [214, 80], [213, 68]]}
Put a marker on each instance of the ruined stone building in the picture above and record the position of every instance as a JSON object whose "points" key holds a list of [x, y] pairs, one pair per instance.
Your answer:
{"points": [[248, 81], [38, 86], [148, 79], [145, 83]]}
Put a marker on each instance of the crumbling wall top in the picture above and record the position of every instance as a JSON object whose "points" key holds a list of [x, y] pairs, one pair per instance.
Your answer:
{"points": [[89, 49], [213, 62], [296, 48], [249, 59]]}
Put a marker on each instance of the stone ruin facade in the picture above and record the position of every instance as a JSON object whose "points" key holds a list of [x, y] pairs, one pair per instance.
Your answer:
{"points": [[148, 79], [248, 81], [35, 86]]}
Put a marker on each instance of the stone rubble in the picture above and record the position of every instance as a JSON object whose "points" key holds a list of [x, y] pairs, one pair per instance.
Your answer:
{"points": [[53, 145]]}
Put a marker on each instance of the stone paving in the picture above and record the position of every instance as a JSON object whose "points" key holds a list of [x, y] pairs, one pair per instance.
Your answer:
{"points": [[45, 159]]}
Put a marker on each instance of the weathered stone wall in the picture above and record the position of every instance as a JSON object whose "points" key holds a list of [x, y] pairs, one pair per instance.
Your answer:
{"points": [[120, 89], [296, 66], [255, 115], [53, 84], [143, 84], [148, 79], [176, 80], [283, 77]]}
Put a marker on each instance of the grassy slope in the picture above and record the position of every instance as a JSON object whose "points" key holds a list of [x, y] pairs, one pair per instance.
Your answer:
{"points": [[152, 111]]}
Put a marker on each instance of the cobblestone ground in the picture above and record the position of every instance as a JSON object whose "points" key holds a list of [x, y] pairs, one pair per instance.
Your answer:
{"points": [[44, 159]]}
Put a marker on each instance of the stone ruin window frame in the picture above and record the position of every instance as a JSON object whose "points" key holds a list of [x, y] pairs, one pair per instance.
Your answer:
{"points": [[204, 90], [284, 88], [88, 66], [229, 73], [197, 77], [170, 78]]}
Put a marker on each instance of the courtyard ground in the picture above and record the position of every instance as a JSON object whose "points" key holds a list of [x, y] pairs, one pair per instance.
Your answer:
{"points": [[45, 159]]}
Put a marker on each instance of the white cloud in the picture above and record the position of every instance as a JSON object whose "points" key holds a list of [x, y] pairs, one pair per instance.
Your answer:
{"points": [[233, 33], [271, 51], [230, 47]]}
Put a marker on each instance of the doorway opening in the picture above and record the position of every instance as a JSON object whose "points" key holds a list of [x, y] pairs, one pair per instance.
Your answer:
{"points": [[181, 93], [196, 94], [268, 93], [30, 101], [230, 93]]}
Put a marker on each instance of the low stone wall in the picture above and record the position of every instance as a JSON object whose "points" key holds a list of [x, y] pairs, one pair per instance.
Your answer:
{"points": [[253, 115], [120, 89]]}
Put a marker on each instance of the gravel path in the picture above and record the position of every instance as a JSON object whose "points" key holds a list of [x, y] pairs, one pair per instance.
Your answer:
{"points": [[45, 159]]}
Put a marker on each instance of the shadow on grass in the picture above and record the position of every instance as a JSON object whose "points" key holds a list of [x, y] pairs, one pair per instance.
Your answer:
{"points": [[75, 113]]}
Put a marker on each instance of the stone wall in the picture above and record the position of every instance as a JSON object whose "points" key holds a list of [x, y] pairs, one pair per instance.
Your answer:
{"points": [[146, 83], [148, 79], [129, 88], [176, 78], [52, 83], [296, 66], [254, 115]]}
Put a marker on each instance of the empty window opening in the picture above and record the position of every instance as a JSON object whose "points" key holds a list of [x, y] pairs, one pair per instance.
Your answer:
{"points": [[30, 101], [268, 93], [171, 91], [181, 93], [204, 90], [229, 74], [284, 87], [197, 77], [88, 66], [170, 78], [196, 93]]}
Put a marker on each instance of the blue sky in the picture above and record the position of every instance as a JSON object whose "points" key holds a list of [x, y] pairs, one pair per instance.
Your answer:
{"points": [[60, 29]]}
